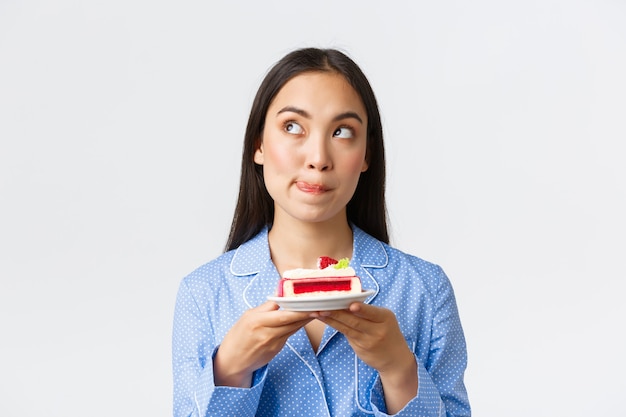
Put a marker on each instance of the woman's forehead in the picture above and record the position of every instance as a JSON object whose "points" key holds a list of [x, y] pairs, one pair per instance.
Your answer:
{"points": [[318, 91]]}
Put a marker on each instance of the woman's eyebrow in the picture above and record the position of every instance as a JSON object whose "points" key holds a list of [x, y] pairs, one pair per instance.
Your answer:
{"points": [[348, 115], [305, 114], [293, 109]]}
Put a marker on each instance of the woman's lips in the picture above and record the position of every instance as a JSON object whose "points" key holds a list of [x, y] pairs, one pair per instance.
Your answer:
{"points": [[311, 188]]}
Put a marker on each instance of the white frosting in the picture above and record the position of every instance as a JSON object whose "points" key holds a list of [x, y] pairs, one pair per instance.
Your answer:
{"points": [[329, 271]]}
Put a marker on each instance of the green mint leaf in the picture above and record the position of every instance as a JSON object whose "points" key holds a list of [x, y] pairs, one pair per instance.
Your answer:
{"points": [[342, 263]]}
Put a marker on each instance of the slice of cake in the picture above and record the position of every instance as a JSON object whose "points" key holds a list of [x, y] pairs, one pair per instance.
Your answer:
{"points": [[331, 277]]}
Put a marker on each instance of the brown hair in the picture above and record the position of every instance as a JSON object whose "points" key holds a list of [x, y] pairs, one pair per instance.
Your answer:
{"points": [[255, 207]]}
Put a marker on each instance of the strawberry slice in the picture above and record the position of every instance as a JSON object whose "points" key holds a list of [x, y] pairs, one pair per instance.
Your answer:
{"points": [[325, 261]]}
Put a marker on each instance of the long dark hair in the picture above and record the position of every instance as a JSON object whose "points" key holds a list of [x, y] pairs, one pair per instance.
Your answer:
{"points": [[255, 207]]}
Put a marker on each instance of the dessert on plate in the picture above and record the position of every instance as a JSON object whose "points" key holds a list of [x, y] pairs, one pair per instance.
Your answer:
{"points": [[331, 277]]}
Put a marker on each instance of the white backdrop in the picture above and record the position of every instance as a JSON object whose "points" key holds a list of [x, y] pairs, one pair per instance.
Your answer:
{"points": [[121, 124]]}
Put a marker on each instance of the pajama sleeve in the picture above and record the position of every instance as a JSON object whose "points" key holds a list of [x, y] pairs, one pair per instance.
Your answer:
{"points": [[441, 391], [193, 349]]}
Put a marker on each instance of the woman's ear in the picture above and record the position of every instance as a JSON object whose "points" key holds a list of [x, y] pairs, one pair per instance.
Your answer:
{"points": [[366, 161], [258, 155]]}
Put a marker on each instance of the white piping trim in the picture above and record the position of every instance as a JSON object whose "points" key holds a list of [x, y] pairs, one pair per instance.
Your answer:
{"points": [[371, 297], [231, 267], [245, 291], [195, 398], [386, 262], [315, 375], [356, 386]]}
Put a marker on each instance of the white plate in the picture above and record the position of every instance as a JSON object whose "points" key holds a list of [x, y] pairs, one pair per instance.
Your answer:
{"points": [[320, 302]]}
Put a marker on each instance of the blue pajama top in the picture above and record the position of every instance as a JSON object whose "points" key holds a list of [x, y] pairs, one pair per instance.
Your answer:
{"points": [[333, 381]]}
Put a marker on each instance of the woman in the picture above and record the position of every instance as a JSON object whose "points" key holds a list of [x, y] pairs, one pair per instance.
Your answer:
{"points": [[312, 184]]}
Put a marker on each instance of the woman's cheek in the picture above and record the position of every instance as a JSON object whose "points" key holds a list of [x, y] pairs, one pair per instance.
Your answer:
{"points": [[355, 163], [285, 159]]}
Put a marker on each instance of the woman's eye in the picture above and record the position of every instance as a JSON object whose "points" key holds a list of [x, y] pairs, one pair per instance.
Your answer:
{"points": [[343, 132], [293, 128]]}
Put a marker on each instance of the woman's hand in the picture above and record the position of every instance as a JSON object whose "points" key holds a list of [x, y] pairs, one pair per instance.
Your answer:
{"points": [[258, 335], [375, 336]]}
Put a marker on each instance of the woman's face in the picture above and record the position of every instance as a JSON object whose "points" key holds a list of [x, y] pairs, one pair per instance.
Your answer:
{"points": [[313, 147]]}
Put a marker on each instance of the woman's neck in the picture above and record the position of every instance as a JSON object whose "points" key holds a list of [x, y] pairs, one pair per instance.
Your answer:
{"points": [[299, 244]]}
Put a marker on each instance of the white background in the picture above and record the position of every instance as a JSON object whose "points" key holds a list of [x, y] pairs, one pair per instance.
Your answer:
{"points": [[121, 124]]}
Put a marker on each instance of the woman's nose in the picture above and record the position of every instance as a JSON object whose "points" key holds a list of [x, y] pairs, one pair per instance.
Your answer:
{"points": [[318, 153]]}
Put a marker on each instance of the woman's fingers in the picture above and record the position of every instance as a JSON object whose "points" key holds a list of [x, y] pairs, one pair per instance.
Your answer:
{"points": [[359, 317], [258, 335], [369, 312], [283, 321], [373, 332]]}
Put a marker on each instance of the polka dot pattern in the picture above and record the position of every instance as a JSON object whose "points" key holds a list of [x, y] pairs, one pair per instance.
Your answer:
{"points": [[330, 382]]}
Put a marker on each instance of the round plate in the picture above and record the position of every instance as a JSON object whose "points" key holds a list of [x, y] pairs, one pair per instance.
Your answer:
{"points": [[320, 302]]}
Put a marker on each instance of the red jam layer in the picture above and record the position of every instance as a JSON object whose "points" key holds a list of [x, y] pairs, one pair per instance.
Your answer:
{"points": [[334, 285], [317, 284]]}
